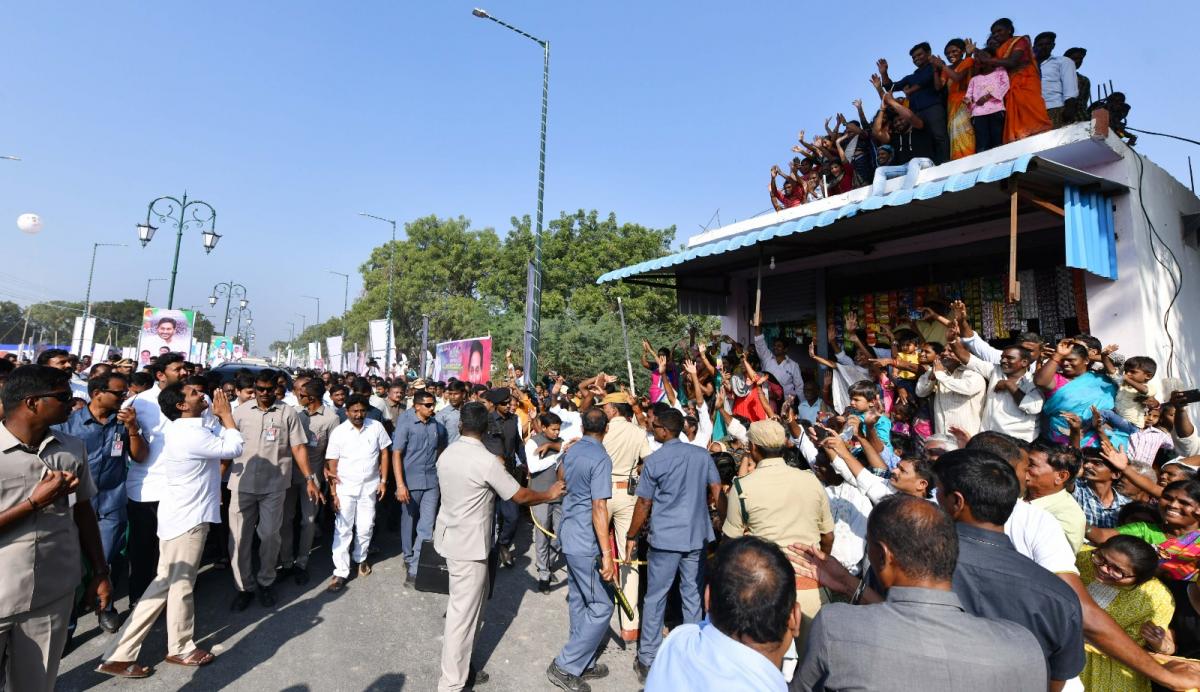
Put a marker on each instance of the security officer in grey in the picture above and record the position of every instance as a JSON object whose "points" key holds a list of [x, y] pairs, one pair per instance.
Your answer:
{"points": [[584, 534], [681, 482], [44, 539]]}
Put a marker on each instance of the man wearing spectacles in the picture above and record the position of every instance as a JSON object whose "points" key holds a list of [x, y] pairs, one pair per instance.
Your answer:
{"points": [[319, 421], [416, 444], [44, 539], [113, 441], [258, 481]]}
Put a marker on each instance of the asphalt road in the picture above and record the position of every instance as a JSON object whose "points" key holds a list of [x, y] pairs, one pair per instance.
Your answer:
{"points": [[375, 635]]}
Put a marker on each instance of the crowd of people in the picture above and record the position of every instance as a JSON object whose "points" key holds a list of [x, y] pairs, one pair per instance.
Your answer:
{"points": [[972, 514], [977, 98]]}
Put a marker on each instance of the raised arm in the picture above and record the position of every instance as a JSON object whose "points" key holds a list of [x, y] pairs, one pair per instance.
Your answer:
{"points": [[1044, 378], [904, 112]]}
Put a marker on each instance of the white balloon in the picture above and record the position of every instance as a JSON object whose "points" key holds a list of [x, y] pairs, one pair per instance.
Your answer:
{"points": [[29, 223]]}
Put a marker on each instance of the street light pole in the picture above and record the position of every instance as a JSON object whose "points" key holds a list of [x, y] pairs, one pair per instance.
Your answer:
{"points": [[228, 290], [345, 298], [387, 354], [87, 301], [148, 282], [318, 307], [534, 303], [201, 213], [303, 322]]}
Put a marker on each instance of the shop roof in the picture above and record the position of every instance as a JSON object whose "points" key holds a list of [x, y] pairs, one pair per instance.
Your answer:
{"points": [[956, 195]]}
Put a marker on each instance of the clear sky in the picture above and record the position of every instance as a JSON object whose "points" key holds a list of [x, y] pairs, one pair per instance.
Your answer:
{"points": [[290, 117]]}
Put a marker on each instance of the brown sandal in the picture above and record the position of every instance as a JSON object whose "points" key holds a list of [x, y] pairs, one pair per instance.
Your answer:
{"points": [[197, 658], [124, 669]]}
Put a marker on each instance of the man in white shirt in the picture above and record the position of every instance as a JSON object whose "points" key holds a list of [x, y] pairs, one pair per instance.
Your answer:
{"points": [[776, 362], [190, 462], [1011, 401], [1060, 87], [357, 470], [958, 400], [146, 482]]}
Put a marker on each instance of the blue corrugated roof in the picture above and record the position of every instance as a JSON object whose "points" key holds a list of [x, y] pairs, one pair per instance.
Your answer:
{"points": [[990, 173]]}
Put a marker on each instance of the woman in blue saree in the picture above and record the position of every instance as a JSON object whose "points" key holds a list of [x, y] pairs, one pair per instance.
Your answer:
{"points": [[1070, 387]]}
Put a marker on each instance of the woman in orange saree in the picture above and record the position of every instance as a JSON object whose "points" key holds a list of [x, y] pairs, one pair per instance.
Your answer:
{"points": [[955, 75], [1026, 111]]}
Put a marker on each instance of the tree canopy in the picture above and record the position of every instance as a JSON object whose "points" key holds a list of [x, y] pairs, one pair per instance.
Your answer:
{"points": [[471, 282], [122, 317]]}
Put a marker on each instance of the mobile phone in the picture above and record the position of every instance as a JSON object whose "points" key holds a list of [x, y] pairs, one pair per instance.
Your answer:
{"points": [[916, 315], [1191, 396]]}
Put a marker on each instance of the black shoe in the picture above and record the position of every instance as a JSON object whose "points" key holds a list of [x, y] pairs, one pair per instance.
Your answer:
{"points": [[477, 677], [506, 558], [266, 598], [566, 681], [595, 672], [281, 571], [241, 601], [110, 621], [641, 669], [543, 586], [301, 576]]}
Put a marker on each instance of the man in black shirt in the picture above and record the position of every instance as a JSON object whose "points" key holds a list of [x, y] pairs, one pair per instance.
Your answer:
{"points": [[503, 439], [923, 97]]}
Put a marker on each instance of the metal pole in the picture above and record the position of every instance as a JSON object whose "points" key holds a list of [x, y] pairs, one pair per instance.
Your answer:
{"points": [[345, 298], [387, 355], [424, 345], [178, 243], [625, 336], [537, 238], [87, 301]]}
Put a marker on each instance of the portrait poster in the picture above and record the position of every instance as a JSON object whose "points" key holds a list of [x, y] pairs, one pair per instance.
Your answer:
{"points": [[220, 349], [165, 330], [468, 360]]}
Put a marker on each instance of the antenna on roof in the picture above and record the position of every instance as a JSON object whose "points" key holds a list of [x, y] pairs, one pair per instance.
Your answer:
{"points": [[716, 215], [1191, 175]]}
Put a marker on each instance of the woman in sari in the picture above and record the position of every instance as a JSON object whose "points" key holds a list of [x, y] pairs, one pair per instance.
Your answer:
{"points": [[1025, 109], [1071, 388], [954, 77], [1119, 575]]}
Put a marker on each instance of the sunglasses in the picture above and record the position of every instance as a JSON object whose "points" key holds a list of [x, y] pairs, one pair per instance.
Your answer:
{"points": [[427, 404], [263, 389], [116, 392], [63, 396]]}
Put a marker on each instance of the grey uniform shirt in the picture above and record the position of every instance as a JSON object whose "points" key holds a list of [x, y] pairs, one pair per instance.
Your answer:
{"points": [[470, 477], [317, 426], [449, 417], [265, 464], [919, 639], [40, 557]]}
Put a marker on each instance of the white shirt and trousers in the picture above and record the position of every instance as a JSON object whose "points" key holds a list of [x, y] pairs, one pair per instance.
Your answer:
{"points": [[787, 372], [190, 464], [357, 453]]}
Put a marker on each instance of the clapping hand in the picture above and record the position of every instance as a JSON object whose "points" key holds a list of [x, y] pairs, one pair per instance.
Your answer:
{"points": [[1158, 638]]}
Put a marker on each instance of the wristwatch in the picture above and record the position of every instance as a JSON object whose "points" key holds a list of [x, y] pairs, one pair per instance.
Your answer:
{"points": [[312, 477]]}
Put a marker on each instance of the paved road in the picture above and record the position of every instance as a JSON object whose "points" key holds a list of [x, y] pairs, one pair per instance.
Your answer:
{"points": [[375, 635]]}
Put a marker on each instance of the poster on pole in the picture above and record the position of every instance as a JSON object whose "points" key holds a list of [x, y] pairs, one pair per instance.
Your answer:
{"points": [[378, 331], [468, 360], [333, 353], [165, 330], [220, 350], [82, 336]]}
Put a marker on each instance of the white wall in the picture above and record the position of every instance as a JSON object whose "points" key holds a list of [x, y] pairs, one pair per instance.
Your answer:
{"points": [[1130, 310]]}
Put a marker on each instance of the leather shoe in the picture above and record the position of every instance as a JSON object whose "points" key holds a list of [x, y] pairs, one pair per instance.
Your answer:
{"points": [[241, 601], [595, 672], [477, 677], [543, 586], [110, 621], [266, 598], [506, 558], [301, 576], [641, 669], [336, 585], [564, 680]]}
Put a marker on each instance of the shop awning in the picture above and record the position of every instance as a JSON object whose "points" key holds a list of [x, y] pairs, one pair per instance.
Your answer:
{"points": [[956, 196]]}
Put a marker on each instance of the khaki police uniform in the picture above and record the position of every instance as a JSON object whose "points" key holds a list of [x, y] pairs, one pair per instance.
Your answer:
{"points": [[258, 483], [626, 444], [785, 506], [41, 561]]}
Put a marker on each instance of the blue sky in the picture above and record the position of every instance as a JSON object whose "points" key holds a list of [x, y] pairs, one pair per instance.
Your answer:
{"points": [[291, 117]]}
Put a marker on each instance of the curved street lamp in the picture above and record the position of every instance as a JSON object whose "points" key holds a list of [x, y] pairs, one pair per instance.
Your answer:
{"points": [[228, 289], [387, 353], [185, 214], [533, 317]]}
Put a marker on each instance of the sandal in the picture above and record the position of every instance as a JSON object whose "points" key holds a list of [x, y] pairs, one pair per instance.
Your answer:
{"points": [[195, 659], [124, 669], [336, 585], [364, 569]]}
